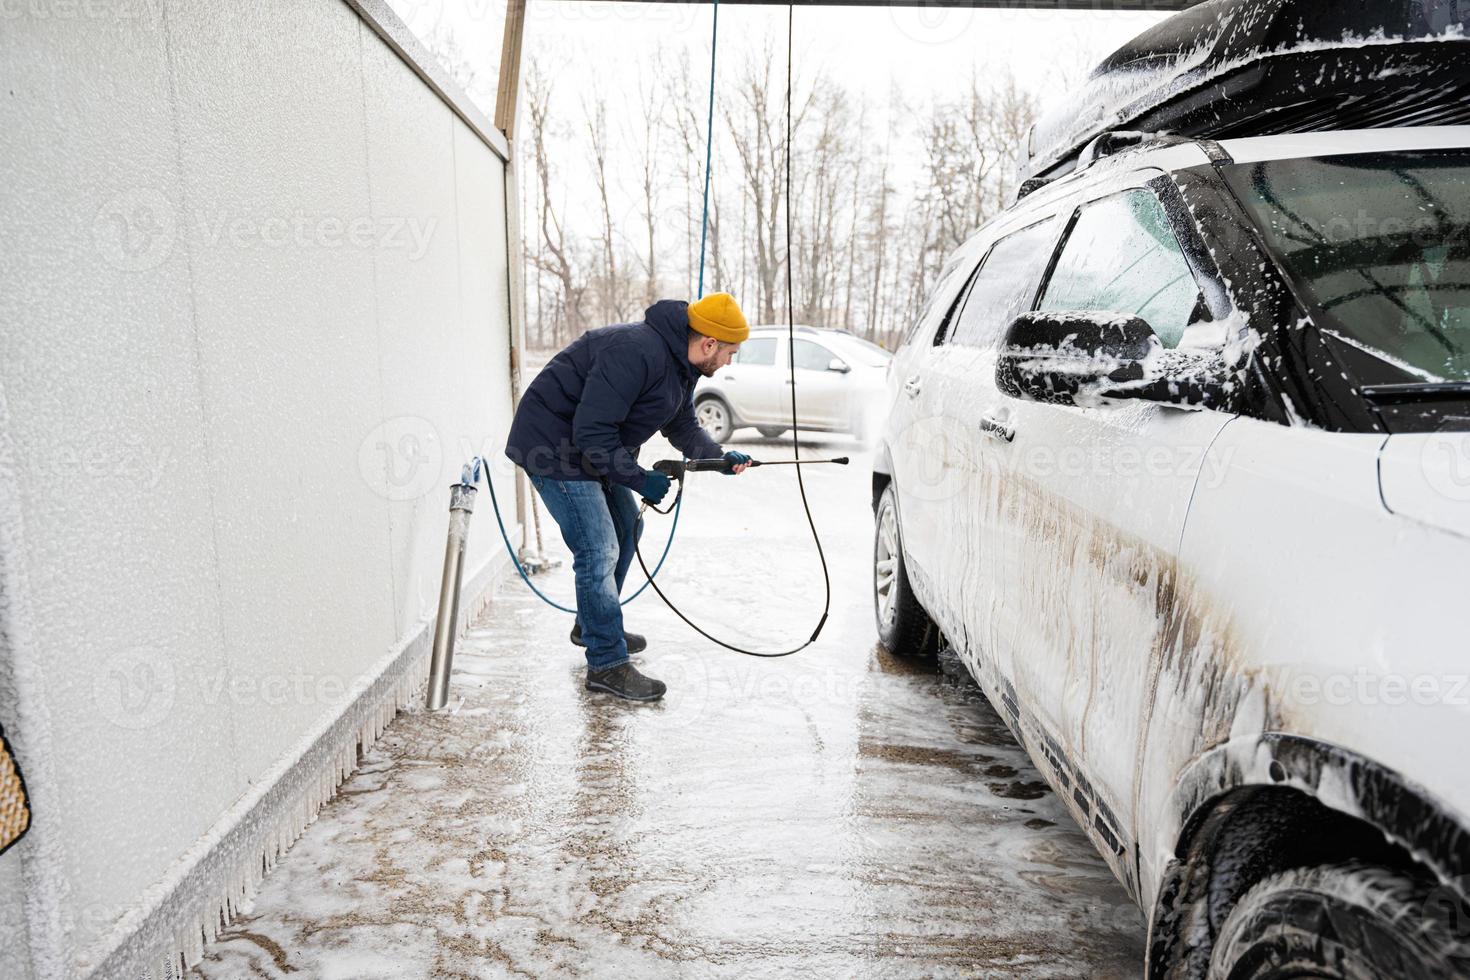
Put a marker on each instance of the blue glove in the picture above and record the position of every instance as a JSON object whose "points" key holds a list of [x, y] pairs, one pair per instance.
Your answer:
{"points": [[655, 486], [735, 459]]}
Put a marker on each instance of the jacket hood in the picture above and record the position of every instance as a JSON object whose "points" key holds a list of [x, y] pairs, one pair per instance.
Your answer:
{"points": [[670, 318]]}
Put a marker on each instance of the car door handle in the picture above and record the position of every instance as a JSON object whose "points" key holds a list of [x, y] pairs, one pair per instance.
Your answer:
{"points": [[727, 377], [912, 386], [996, 429]]}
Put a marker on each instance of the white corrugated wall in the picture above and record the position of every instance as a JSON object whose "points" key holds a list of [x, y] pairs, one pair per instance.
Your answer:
{"points": [[253, 316]]}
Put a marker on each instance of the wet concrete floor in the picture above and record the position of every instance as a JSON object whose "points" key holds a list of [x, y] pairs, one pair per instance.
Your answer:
{"points": [[839, 813]]}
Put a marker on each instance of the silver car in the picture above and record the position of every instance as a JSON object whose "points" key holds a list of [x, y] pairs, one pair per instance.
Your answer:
{"points": [[839, 384]]}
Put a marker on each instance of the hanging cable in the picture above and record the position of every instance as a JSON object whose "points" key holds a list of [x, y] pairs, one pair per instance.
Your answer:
{"points": [[795, 429], [791, 369], [709, 142], [709, 145]]}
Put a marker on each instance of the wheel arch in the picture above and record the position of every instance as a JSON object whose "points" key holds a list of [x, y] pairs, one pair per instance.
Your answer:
{"points": [[1255, 806]]}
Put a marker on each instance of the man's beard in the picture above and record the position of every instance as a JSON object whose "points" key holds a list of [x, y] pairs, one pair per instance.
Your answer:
{"points": [[709, 365]]}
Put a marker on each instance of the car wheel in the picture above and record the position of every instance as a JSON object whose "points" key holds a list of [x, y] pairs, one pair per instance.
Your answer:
{"points": [[1342, 922], [904, 628], [714, 415], [771, 431]]}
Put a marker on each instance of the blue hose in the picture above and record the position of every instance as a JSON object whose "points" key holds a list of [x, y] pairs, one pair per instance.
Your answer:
{"points": [[471, 475]]}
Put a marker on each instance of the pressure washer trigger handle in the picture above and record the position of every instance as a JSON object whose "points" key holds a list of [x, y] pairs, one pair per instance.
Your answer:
{"points": [[671, 468], [717, 464]]}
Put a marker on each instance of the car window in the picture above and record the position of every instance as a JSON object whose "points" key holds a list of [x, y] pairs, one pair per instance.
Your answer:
{"points": [[1377, 245], [812, 357], [759, 351], [865, 352], [956, 303], [1004, 287], [1122, 257]]}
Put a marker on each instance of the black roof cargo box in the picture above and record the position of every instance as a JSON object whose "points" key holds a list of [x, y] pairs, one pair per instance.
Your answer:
{"points": [[1258, 67]]}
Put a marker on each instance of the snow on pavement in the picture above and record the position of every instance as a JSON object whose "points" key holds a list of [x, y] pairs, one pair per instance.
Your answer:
{"points": [[836, 813]]}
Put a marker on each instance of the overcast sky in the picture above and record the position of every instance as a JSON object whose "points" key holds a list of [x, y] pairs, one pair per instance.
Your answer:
{"points": [[895, 63], [923, 51]]}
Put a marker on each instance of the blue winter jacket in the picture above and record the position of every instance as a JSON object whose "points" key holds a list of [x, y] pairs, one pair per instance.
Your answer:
{"points": [[587, 413]]}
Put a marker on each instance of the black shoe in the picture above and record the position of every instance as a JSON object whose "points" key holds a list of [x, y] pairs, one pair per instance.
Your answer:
{"points": [[636, 643], [625, 682]]}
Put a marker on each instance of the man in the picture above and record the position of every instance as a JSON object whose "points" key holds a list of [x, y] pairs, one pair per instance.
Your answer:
{"points": [[577, 434]]}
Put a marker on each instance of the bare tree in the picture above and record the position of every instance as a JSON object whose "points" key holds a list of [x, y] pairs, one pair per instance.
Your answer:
{"points": [[757, 131], [872, 219], [598, 147], [552, 254], [648, 139], [683, 125]]}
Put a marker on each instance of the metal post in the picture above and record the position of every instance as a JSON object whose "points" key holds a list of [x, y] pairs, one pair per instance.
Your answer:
{"points": [[461, 505]]}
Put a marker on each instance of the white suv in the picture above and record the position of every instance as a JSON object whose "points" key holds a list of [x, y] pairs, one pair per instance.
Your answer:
{"points": [[1178, 462], [839, 377]]}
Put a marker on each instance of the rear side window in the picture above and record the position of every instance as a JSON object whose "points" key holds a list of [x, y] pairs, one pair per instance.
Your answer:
{"points": [[1379, 244], [812, 357], [1122, 257], [951, 287], [1004, 287], [760, 352]]}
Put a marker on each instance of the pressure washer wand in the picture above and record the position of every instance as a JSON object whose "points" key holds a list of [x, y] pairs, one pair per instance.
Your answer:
{"points": [[839, 460], [675, 469]]}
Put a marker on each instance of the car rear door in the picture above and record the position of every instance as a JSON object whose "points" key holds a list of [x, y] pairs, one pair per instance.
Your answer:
{"points": [[821, 392], [1089, 507], [960, 385], [753, 381], [912, 436]]}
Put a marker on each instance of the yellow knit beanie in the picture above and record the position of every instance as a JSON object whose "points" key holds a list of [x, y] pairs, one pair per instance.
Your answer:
{"points": [[719, 316]]}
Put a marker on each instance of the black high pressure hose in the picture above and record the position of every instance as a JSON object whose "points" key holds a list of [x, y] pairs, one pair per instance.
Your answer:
{"points": [[795, 426]]}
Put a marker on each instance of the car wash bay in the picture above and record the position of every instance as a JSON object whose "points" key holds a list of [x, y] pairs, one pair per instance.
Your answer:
{"points": [[836, 813]]}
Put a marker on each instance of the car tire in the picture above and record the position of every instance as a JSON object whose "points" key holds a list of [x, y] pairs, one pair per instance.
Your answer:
{"points": [[904, 628], [771, 431], [1340, 922], [715, 417]]}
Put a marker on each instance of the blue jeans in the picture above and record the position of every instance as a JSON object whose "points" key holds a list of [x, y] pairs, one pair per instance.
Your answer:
{"points": [[601, 526]]}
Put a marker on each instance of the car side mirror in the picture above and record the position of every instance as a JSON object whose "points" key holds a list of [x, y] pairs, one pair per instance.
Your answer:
{"points": [[839, 365], [1092, 357]]}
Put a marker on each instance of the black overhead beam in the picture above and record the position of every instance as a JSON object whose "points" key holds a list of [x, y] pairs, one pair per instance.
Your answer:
{"points": [[1100, 6]]}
